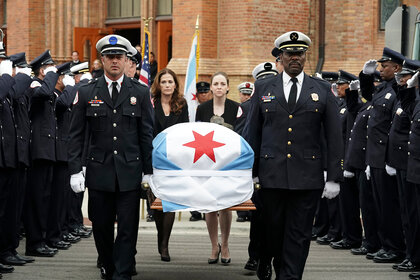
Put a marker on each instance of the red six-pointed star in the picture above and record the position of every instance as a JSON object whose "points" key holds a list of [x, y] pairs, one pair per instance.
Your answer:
{"points": [[203, 145]]}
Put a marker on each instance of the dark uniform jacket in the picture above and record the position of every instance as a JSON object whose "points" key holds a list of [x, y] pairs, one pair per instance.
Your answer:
{"points": [[42, 116], [398, 139], [243, 111], [21, 111], [8, 149], [412, 107], [120, 136], [357, 116], [383, 98], [63, 104], [287, 144], [342, 110], [162, 122]]}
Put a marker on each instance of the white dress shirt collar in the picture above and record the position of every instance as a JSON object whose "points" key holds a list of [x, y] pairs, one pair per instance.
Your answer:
{"points": [[109, 84]]}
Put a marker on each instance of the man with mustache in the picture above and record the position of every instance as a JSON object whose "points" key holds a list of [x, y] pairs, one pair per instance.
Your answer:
{"points": [[284, 130]]}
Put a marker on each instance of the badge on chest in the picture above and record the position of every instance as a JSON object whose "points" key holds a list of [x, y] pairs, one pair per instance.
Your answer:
{"points": [[95, 102]]}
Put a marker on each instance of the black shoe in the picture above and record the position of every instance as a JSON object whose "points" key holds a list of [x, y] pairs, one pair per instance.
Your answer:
{"points": [[11, 260], [342, 244], [85, 228], [216, 260], [359, 251], [240, 219], [195, 218], [372, 255], [61, 245], [81, 233], [325, 240], [71, 238], [414, 275], [55, 250], [395, 266], [408, 267], [165, 258], [264, 271], [6, 268], [388, 257], [25, 259], [314, 236], [150, 218], [40, 252], [251, 264]]}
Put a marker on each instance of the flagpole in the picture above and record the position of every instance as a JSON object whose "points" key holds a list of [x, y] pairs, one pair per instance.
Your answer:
{"points": [[197, 32], [146, 29]]}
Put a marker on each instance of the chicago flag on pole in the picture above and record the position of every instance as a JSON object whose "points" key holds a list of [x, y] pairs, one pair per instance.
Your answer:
{"points": [[190, 80], [202, 167]]}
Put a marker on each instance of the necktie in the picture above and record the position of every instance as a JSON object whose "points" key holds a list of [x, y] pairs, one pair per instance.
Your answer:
{"points": [[114, 92], [292, 95]]}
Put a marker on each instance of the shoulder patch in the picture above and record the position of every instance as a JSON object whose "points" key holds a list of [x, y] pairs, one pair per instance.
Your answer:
{"points": [[35, 84], [76, 98], [240, 112]]}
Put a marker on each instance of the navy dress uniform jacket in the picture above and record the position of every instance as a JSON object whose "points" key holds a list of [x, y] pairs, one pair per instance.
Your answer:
{"points": [[42, 116], [243, 111], [398, 139], [120, 136], [383, 100], [63, 104], [287, 144], [8, 149], [21, 101], [358, 114]]}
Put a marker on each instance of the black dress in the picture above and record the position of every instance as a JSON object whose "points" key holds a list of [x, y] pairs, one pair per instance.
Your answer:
{"points": [[205, 112]]}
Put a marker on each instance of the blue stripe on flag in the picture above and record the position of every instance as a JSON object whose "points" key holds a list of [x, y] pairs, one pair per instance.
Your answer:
{"points": [[244, 161], [170, 206], [159, 156]]}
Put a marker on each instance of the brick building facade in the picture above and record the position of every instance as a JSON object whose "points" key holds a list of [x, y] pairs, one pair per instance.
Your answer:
{"points": [[235, 35]]}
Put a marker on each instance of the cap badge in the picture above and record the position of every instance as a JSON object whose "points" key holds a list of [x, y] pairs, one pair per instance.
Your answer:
{"points": [[388, 95], [314, 96], [113, 40], [294, 36], [247, 85], [133, 100]]}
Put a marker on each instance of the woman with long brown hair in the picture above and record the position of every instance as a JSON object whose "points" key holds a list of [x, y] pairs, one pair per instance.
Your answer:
{"points": [[170, 108]]}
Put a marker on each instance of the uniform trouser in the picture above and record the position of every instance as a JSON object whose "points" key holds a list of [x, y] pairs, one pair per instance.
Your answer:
{"points": [[60, 180], [76, 215], [8, 199], [321, 224], [350, 211], [37, 203], [22, 174], [385, 194], [255, 228], [415, 258], [287, 217], [65, 210], [117, 257], [369, 213], [330, 208], [409, 215]]}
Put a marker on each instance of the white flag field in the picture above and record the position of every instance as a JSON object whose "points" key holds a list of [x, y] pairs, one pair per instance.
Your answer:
{"points": [[190, 80]]}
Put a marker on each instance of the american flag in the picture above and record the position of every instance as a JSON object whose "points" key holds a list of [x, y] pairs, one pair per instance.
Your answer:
{"points": [[145, 66]]}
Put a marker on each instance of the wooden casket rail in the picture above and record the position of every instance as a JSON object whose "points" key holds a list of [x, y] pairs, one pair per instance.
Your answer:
{"points": [[245, 206]]}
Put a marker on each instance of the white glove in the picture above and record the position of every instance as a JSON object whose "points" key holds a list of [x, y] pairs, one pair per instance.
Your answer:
{"points": [[146, 179], [25, 70], [68, 80], [6, 67], [86, 75], [77, 182], [318, 75], [84, 171], [50, 69], [398, 77], [334, 89], [413, 81], [390, 170], [331, 190], [256, 180], [370, 67], [325, 176], [367, 171], [354, 85], [348, 174]]}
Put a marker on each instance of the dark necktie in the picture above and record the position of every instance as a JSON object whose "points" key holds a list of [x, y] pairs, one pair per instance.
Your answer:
{"points": [[292, 95], [114, 92]]}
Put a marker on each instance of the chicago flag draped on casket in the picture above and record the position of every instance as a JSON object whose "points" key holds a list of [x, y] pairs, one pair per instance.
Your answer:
{"points": [[201, 167]]}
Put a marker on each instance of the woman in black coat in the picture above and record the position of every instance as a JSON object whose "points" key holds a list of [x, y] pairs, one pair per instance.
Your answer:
{"points": [[222, 111], [170, 108]]}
